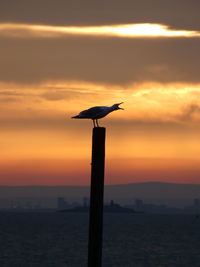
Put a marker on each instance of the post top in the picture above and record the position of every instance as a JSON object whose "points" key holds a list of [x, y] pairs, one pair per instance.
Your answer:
{"points": [[99, 129]]}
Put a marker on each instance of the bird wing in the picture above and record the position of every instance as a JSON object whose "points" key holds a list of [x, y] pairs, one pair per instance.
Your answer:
{"points": [[92, 112]]}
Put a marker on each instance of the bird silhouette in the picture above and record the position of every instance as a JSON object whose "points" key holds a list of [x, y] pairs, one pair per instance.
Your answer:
{"points": [[96, 113]]}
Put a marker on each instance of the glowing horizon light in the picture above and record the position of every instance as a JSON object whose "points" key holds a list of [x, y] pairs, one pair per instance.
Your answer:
{"points": [[153, 30], [139, 30]]}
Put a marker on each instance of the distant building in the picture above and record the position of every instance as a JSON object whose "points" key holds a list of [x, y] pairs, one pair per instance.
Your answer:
{"points": [[61, 203], [141, 207], [112, 207]]}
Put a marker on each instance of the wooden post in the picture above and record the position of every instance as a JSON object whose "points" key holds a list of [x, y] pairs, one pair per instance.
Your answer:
{"points": [[96, 198]]}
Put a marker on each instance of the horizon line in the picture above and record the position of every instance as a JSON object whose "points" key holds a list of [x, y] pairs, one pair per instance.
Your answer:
{"points": [[149, 182]]}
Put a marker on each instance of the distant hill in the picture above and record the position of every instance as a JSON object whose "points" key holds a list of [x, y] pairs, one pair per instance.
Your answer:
{"points": [[156, 192]]}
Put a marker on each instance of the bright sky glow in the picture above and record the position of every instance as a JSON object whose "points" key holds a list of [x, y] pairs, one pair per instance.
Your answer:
{"points": [[125, 31], [160, 121]]}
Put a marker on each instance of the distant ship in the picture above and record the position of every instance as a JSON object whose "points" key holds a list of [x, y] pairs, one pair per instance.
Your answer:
{"points": [[110, 208]]}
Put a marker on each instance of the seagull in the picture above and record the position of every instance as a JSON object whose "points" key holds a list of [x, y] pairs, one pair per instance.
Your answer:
{"points": [[96, 113]]}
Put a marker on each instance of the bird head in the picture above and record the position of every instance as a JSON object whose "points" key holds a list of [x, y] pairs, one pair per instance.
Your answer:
{"points": [[116, 106]]}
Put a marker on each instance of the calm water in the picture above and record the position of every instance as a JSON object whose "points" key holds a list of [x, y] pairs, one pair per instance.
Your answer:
{"points": [[57, 239]]}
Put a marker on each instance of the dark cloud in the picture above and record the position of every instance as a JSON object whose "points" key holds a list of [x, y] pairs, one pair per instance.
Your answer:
{"points": [[177, 13], [54, 96], [8, 99], [64, 121], [11, 93], [60, 95], [10, 96], [190, 111], [103, 60]]}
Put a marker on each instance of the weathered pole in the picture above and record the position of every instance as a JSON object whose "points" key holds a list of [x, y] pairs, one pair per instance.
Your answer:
{"points": [[96, 198]]}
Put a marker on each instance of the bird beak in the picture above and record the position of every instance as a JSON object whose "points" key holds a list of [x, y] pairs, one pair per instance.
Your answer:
{"points": [[120, 104]]}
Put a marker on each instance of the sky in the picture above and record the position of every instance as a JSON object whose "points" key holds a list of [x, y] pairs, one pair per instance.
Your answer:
{"points": [[61, 57]]}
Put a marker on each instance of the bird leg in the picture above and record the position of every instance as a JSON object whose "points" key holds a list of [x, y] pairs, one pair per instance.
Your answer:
{"points": [[94, 123], [97, 123]]}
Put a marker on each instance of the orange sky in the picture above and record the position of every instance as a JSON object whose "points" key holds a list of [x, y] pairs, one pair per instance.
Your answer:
{"points": [[52, 72], [154, 139]]}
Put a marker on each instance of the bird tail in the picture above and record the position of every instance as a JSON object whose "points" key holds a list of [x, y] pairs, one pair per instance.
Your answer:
{"points": [[75, 117]]}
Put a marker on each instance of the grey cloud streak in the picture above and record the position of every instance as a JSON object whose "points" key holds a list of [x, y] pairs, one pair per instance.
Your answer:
{"points": [[61, 95], [8, 100], [190, 111], [11, 93], [100, 60], [177, 13], [140, 126]]}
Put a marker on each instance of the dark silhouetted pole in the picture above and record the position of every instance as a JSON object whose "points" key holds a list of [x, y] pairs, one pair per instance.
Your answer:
{"points": [[96, 198]]}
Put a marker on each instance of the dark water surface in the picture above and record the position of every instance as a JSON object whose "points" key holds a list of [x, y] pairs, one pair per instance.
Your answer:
{"points": [[60, 239]]}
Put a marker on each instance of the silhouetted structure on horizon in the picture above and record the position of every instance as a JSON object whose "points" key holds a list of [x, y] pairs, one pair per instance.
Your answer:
{"points": [[61, 203], [112, 207]]}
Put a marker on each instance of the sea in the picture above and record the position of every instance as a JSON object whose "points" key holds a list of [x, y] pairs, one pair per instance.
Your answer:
{"points": [[53, 239]]}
